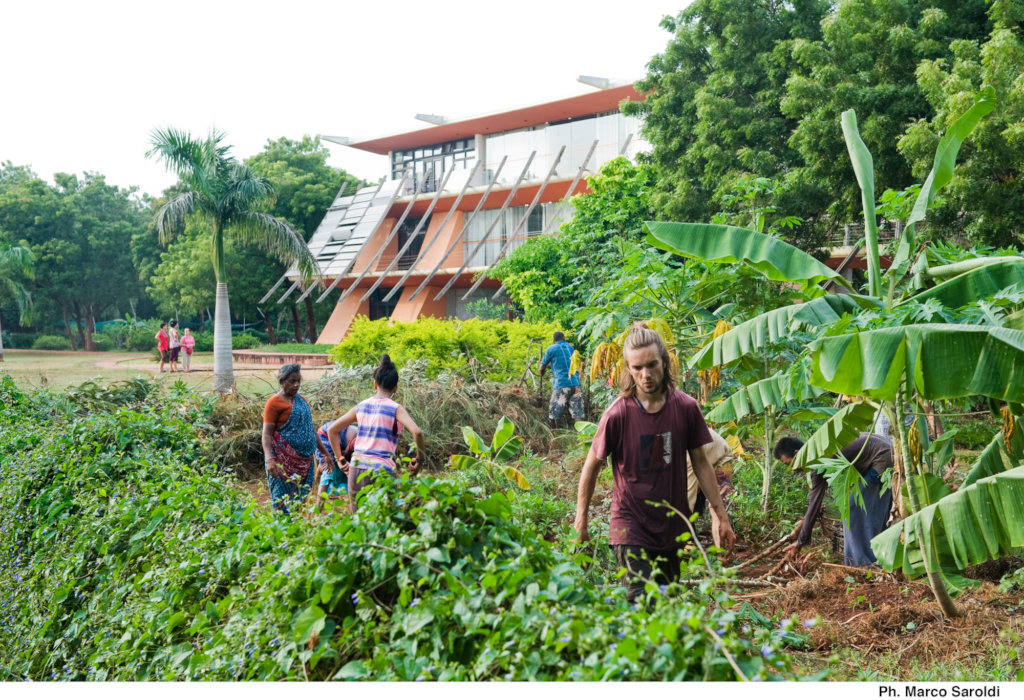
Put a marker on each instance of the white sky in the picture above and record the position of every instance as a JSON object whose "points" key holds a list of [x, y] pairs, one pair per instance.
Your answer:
{"points": [[84, 83]]}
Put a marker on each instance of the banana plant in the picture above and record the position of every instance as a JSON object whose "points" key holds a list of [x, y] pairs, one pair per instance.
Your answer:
{"points": [[496, 456], [897, 364]]}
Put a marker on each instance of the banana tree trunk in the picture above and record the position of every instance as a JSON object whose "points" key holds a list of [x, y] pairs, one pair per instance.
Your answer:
{"points": [[935, 581], [223, 375], [766, 470]]}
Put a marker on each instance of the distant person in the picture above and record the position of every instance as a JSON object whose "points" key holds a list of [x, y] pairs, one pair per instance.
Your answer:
{"points": [[871, 455], [188, 345], [565, 388], [163, 345], [333, 467], [380, 421], [174, 345], [289, 441]]}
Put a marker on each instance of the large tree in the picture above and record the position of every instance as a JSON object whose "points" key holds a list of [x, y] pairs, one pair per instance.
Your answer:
{"points": [[79, 233], [225, 195], [550, 277], [866, 61], [713, 115], [985, 198]]}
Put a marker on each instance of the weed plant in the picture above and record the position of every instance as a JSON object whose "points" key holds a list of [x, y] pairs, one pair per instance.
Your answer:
{"points": [[127, 555]]}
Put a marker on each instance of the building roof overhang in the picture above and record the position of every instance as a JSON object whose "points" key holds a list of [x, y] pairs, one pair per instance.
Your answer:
{"points": [[559, 110]]}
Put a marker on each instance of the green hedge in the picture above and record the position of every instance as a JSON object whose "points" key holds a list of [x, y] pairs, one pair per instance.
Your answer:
{"points": [[126, 556], [496, 349]]}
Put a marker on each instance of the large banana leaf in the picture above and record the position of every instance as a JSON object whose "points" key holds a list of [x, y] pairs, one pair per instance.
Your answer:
{"points": [[975, 285], [941, 173], [773, 325], [941, 360], [996, 458], [837, 432], [975, 524], [775, 391], [863, 168], [775, 259]]}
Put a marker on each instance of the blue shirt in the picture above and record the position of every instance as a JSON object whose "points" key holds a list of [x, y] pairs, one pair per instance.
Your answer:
{"points": [[559, 357]]}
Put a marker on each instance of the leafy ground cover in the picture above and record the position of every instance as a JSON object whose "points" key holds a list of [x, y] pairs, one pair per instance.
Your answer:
{"points": [[127, 556], [128, 553]]}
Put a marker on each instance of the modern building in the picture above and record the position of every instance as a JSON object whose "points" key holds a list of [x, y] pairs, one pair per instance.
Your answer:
{"points": [[460, 196]]}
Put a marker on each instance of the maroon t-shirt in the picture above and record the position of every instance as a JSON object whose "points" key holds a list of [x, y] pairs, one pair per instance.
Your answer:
{"points": [[648, 452]]}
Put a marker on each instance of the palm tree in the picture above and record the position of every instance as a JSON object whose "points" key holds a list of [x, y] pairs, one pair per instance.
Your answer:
{"points": [[224, 193], [15, 260]]}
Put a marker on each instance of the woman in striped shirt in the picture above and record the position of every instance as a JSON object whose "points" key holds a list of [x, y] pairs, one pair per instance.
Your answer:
{"points": [[380, 421]]}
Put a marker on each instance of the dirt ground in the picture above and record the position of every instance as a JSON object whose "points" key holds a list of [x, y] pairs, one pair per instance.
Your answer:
{"points": [[872, 613]]}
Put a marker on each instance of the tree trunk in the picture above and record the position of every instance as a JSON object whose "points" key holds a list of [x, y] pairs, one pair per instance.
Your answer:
{"points": [[90, 327], [766, 475], [76, 313], [67, 325], [311, 332], [295, 320], [935, 581], [1, 341], [223, 374], [266, 324]]}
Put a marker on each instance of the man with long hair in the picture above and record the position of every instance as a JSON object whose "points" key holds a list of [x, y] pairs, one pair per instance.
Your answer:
{"points": [[648, 431]]}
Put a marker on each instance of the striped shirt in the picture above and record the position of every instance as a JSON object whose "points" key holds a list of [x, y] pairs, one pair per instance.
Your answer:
{"points": [[377, 439]]}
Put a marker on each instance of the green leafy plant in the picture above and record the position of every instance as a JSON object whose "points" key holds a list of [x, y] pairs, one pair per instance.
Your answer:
{"points": [[498, 350], [495, 456], [128, 556], [890, 351]]}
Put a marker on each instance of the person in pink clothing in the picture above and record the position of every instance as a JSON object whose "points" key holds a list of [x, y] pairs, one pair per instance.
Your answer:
{"points": [[188, 344], [163, 345], [380, 420]]}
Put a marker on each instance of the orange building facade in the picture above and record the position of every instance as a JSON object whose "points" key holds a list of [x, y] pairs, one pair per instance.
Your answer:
{"points": [[461, 195]]}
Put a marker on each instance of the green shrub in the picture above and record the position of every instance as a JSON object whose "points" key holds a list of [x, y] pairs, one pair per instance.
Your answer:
{"points": [[496, 350], [51, 342], [204, 341], [102, 342], [128, 557], [20, 341], [244, 341]]}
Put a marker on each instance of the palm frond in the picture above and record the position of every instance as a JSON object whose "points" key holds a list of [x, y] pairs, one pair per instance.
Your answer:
{"points": [[178, 151], [16, 258], [170, 218], [244, 189], [277, 238]]}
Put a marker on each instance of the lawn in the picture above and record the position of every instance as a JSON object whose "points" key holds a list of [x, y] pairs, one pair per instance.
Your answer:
{"points": [[60, 369]]}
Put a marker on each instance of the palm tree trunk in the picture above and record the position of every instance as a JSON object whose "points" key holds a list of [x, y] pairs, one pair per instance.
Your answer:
{"points": [[223, 374]]}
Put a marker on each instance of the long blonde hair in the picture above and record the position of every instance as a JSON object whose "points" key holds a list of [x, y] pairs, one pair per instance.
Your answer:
{"points": [[640, 336]]}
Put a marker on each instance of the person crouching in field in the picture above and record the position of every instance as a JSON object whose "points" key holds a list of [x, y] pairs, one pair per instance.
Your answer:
{"points": [[289, 441], [333, 467], [380, 421], [649, 431]]}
